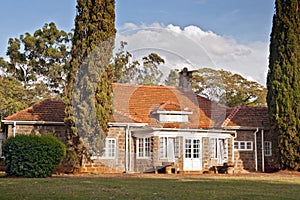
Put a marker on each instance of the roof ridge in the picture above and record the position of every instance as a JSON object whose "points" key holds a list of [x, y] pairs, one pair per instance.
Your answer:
{"points": [[146, 86]]}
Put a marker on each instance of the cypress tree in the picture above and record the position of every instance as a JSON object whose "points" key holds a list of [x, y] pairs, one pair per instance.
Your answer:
{"points": [[283, 82], [89, 90]]}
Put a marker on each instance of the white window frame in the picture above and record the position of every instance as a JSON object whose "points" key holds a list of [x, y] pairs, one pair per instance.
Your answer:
{"points": [[110, 148], [243, 145], [143, 147], [215, 149], [268, 148], [163, 147]]}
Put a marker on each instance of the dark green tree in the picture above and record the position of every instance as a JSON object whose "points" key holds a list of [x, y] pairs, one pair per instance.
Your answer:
{"points": [[39, 60], [283, 82], [90, 76], [14, 97]]}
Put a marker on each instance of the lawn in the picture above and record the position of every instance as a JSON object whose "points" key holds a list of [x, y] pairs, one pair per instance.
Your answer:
{"points": [[151, 187]]}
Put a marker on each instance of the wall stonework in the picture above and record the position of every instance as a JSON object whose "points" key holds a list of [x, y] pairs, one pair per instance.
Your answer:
{"points": [[109, 165], [251, 161], [56, 130]]}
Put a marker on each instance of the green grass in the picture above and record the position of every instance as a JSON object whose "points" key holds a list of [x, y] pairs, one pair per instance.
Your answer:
{"points": [[178, 187]]}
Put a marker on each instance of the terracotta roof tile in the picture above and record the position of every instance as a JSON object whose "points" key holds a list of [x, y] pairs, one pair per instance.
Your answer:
{"points": [[48, 110], [248, 116], [134, 103]]}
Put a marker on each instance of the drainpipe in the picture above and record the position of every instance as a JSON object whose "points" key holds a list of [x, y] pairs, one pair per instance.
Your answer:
{"points": [[262, 151], [255, 152], [126, 148], [14, 129], [235, 136], [130, 144]]}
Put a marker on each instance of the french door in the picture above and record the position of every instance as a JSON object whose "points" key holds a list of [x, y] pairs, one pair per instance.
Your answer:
{"points": [[192, 154]]}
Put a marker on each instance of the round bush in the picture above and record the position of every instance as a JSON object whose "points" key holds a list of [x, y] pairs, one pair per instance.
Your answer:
{"points": [[32, 155]]}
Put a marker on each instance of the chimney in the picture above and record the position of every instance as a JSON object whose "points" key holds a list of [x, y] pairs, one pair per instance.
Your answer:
{"points": [[185, 79]]}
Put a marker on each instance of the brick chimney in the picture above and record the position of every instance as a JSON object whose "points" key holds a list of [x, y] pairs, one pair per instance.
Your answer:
{"points": [[185, 79]]}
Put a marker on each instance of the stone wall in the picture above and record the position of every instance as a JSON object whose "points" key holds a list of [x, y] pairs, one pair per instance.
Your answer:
{"points": [[57, 130], [245, 160], [109, 165]]}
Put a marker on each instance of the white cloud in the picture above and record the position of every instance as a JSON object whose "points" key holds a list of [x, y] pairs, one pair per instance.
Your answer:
{"points": [[194, 48]]}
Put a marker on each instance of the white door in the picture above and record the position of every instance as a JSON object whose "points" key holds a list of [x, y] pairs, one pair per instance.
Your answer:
{"points": [[192, 155]]}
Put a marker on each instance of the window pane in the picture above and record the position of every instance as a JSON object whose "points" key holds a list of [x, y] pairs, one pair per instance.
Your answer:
{"points": [[196, 148], [147, 147], [141, 147], [213, 147], [188, 148], [236, 145], [249, 145], [242, 145]]}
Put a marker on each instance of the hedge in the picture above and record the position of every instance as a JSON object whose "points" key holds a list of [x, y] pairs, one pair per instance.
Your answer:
{"points": [[32, 155]]}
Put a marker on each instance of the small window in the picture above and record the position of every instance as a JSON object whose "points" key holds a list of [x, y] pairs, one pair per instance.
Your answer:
{"points": [[268, 148], [219, 149], [243, 145], [169, 148], [143, 147], [110, 148]]}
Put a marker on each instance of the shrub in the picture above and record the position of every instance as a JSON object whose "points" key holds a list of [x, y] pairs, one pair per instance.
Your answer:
{"points": [[32, 155]]}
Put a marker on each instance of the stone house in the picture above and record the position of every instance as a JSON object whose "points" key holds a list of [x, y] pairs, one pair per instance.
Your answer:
{"points": [[158, 127]]}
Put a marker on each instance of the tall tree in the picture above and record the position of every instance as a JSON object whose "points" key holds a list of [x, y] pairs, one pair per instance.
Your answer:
{"points": [[142, 72], [90, 75], [283, 82], [13, 96], [39, 60], [224, 87]]}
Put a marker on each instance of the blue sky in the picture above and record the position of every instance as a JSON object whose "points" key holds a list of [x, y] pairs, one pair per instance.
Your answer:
{"points": [[245, 20], [242, 24]]}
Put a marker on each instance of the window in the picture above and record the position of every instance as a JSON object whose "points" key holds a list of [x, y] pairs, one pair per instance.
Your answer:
{"points": [[169, 148], [218, 149], [110, 148], [243, 145], [143, 147], [268, 148], [165, 116]]}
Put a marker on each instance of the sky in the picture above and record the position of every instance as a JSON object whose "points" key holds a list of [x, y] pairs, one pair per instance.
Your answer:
{"points": [[232, 35]]}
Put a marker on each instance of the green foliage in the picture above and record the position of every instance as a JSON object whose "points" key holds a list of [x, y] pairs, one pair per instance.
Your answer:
{"points": [[224, 87], [41, 56], [283, 82], [142, 72], [14, 97], [32, 155], [89, 78]]}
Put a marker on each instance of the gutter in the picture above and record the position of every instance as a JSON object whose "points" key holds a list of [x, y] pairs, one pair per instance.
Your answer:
{"points": [[188, 130], [262, 151], [255, 152], [11, 122]]}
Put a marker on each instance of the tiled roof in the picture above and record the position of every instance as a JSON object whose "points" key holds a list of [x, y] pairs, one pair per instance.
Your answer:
{"points": [[138, 102], [48, 110], [248, 116], [134, 103]]}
